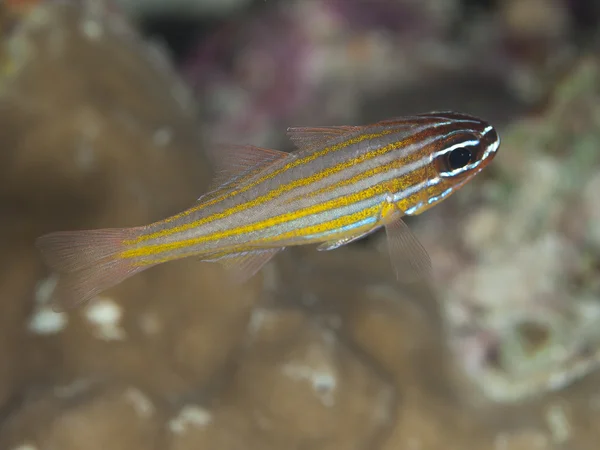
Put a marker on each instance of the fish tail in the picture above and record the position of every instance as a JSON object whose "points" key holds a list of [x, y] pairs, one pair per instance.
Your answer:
{"points": [[88, 262]]}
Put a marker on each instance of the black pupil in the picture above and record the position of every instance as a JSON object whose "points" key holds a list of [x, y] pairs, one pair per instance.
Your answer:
{"points": [[459, 158]]}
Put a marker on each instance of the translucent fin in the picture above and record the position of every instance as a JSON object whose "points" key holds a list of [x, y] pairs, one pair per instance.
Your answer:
{"points": [[332, 245], [243, 266], [409, 258], [214, 191], [87, 263], [232, 161], [309, 137]]}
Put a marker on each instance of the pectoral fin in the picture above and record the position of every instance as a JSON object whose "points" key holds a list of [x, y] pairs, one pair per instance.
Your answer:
{"points": [[409, 258]]}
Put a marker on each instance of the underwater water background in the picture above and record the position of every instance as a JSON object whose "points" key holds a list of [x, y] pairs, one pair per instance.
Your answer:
{"points": [[107, 109]]}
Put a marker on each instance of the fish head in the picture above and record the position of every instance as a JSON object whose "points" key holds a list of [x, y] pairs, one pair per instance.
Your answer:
{"points": [[459, 147]]}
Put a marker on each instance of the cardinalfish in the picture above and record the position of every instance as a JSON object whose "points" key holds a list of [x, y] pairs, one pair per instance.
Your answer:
{"points": [[340, 184]]}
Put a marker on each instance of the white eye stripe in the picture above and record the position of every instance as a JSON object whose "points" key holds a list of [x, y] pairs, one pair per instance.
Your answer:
{"points": [[465, 144], [466, 168], [493, 148], [487, 129]]}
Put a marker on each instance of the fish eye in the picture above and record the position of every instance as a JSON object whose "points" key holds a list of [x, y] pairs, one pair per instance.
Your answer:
{"points": [[459, 158], [459, 155]]}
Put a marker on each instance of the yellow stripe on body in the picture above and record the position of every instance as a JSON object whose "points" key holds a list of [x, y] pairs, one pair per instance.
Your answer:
{"points": [[392, 165], [314, 229], [390, 186], [385, 209], [275, 192]]}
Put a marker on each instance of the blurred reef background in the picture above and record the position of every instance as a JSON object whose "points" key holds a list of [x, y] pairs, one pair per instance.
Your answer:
{"points": [[106, 108]]}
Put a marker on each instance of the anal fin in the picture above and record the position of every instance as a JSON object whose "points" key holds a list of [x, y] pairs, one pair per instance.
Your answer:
{"points": [[243, 266]]}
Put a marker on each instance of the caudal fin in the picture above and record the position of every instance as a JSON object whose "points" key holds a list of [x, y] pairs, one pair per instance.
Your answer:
{"points": [[87, 262]]}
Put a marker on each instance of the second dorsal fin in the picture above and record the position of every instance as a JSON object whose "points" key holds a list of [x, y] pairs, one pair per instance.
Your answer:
{"points": [[231, 161], [309, 137]]}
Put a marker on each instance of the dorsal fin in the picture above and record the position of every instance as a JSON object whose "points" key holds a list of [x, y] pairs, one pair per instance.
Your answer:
{"points": [[231, 161], [309, 137]]}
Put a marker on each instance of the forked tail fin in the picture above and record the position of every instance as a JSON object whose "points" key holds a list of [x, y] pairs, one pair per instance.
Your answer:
{"points": [[87, 262]]}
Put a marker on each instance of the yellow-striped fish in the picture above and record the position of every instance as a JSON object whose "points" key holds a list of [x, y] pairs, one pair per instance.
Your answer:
{"points": [[341, 184]]}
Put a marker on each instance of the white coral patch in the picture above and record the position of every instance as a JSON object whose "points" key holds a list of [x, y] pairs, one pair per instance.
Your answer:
{"points": [[162, 137], [323, 381], [261, 319], [73, 389], [141, 403], [46, 321], [105, 316], [25, 447], [43, 320], [190, 415], [92, 29], [558, 424]]}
